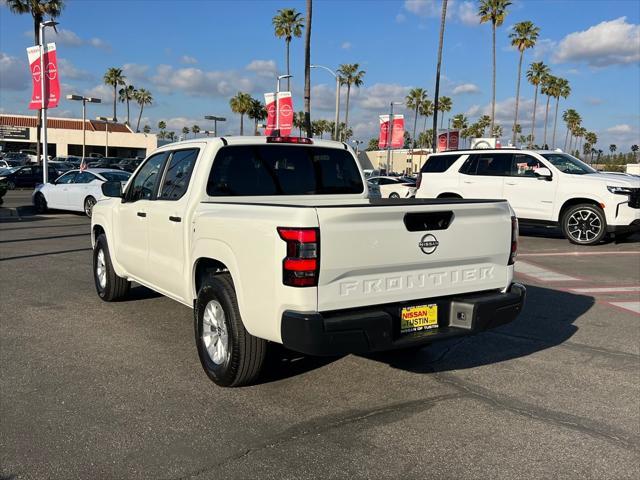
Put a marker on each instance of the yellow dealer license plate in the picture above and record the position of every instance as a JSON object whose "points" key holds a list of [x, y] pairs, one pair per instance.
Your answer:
{"points": [[421, 317]]}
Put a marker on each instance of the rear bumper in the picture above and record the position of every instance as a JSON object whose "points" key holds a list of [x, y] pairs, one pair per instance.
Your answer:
{"points": [[371, 329]]}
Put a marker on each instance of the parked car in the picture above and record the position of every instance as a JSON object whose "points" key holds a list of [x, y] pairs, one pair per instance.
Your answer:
{"points": [[61, 167], [394, 187], [26, 177], [374, 190], [16, 159], [106, 162], [273, 239], [76, 190], [129, 164], [545, 188]]}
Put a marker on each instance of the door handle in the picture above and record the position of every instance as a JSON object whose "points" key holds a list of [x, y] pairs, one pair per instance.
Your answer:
{"points": [[142, 214], [467, 181], [175, 219], [510, 183]]}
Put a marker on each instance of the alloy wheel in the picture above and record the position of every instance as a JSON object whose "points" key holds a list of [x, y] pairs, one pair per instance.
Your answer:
{"points": [[584, 225], [214, 333]]}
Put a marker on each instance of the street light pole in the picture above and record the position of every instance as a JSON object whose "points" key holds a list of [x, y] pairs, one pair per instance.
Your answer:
{"points": [[280, 77], [106, 130], [84, 101], [390, 133], [337, 117], [215, 122]]}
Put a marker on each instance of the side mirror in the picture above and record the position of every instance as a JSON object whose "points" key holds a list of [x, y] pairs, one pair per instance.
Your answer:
{"points": [[543, 173], [112, 189]]}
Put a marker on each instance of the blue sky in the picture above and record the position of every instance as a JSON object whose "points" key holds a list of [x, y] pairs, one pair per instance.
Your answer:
{"points": [[194, 55]]}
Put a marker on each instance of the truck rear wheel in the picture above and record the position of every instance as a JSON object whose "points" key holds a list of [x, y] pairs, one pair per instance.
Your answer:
{"points": [[110, 287], [230, 356]]}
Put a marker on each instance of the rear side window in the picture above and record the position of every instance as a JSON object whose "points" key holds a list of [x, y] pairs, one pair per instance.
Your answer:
{"points": [[488, 164], [439, 163], [178, 173], [253, 170]]}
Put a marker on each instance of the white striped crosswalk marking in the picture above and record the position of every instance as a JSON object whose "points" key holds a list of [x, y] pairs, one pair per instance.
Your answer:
{"points": [[631, 306], [542, 274], [607, 290]]}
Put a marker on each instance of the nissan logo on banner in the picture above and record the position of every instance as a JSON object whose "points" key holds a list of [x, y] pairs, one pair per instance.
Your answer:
{"points": [[397, 140], [51, 77], [285, 107]]}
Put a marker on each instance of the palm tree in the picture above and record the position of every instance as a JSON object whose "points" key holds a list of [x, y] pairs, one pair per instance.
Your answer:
{"points": [[317, 128], [562, 90], [613, 147], [298, 122], [124, 95], [524, 36], [535, 74], [307, 69], [162, 126], [483, 122], [460, 122], [143, 97], [257, 112], [195, 129], [443, 19], [493, 11], [241, 104], [444, 105], [426, 110], [350, 75], [38, 9], [185, 132], [288, 24], [549, 89], [146, 129], [569, 117], [413, 101], [114, 77], [634, 149], [497, 131], [171, 136]]}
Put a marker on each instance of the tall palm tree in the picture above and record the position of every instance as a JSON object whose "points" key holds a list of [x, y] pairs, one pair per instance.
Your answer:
{"points": [[567, 117], [288, 23], [350, 75], [460, 122], [185, 132], [171, 136], [426, 110], [413, 101], [241, 104], [124, 95], [161, 127], [524, 36], [444, 105], [143, 97], [114, 77], [298, 122], [549, 89], [613, 147], [493, 11], [634, 149], [195, 129], [307, 69], [562, 90], [257, 112], [535, 74], [443, 19], [483, 122], [38, 9]]}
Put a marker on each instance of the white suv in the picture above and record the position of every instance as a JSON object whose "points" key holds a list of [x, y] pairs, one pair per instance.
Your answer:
{"points": [[547, 188]]}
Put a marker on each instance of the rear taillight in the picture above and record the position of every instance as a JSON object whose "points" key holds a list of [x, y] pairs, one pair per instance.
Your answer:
{"points": [[301, 140], [419, 180], [514, 241], [301, 266]]}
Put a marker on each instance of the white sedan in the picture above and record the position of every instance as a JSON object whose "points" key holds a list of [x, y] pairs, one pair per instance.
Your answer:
{"points": [[76, 190], [394, 187]]}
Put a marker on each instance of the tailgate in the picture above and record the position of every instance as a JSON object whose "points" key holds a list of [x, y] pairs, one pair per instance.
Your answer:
{"points": [[369, 256]]}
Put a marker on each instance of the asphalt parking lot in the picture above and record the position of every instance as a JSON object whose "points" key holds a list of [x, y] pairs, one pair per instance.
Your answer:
{"points": [[94, 390]]}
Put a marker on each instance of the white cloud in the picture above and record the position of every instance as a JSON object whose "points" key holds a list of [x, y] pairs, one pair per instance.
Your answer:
{"points": [[466, 88], [69, 38], [423, 8], [188, 60], [135, 72], [197, 82], [612, 42], [401, 18], [594, 101], [14, 73], [69, 70], [263, 68], [101, 91], [346, 45], [464, 12], [620, 129], [623, 135], [378, 96], [543, 47], [468, 13]]}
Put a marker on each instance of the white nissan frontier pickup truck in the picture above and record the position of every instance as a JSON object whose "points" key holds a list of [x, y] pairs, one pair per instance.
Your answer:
{"points": [[273, 239]]}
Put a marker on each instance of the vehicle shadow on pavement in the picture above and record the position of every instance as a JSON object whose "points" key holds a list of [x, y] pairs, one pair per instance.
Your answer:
{"points": [[546, 321], [282, 363]]}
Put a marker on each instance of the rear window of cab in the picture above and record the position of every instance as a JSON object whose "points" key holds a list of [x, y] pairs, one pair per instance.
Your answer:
{"points": [[265, 170], [439, 163]]}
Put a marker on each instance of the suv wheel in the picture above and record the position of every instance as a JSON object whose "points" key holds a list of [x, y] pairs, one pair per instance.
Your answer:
{"points": [[89, 202], [394, 195], [41, 203], [110, 287], [230, 356], [584, 224]]}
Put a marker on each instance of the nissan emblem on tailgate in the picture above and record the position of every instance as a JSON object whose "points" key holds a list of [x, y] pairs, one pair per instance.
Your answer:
{"points": [[428, 244]]}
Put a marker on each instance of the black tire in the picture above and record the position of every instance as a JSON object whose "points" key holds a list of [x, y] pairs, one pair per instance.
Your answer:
{"points": [[40, 203], [11, 185], [394, 195], [89, 202], [584, 224], [114, 287], [245, 354]]}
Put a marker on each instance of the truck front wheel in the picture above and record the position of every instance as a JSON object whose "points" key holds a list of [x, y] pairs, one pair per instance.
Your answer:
{"points": [[110, 287], [230, 356], [584, 224]]}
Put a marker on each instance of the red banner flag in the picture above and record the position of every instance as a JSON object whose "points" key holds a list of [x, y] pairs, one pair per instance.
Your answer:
{"points": [[397, 140], [448, 140], [285, 108], [51, 77]]}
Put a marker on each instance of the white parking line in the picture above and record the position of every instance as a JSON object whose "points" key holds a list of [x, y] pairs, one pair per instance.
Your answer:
{"points": [[578, 254], [543, 274], [631, 306], [606, 290]]}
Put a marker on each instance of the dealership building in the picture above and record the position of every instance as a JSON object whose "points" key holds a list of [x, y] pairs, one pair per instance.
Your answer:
{"points": [[64, 137]]}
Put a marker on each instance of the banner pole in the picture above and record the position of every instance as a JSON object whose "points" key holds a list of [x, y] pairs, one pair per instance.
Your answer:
{"points": [[45, 162], [389, 137]]}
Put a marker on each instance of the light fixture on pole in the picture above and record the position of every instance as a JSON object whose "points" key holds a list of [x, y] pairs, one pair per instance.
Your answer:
{"points": [[390, 133], [215, 122], [43, 74], [84, 101], [106, 121], [357, 143], [337, 118], [277, 130]]}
